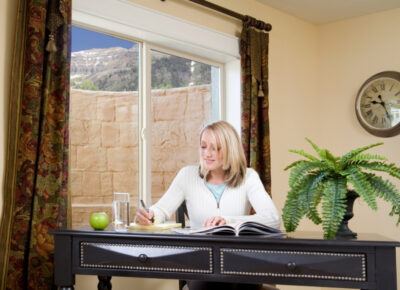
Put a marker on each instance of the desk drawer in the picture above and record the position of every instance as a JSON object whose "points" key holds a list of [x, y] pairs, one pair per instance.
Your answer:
{"points": [[294, 264], [146, 257]]}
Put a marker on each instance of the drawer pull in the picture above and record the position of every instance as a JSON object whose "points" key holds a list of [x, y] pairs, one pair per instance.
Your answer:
{"points": [[143, 258], [291, 266]]}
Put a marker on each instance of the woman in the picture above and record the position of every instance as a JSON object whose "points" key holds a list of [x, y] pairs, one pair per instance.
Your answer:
{"points": [[220, 190]]}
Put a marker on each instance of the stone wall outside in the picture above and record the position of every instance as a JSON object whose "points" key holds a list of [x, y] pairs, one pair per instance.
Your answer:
{"points": [[104, 143]]}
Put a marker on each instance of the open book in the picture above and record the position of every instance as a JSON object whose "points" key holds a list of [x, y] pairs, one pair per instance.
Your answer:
{"points": [[240, 229]]}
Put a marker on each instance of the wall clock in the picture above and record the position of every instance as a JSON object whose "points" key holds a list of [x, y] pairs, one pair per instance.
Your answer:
{"points": [[378, 104]]}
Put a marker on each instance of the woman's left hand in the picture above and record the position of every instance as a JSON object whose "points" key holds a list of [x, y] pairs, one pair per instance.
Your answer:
{"points": [[214, 221]]}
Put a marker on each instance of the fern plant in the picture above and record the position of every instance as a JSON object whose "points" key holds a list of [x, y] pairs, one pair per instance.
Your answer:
{"points": [[325, 179]]}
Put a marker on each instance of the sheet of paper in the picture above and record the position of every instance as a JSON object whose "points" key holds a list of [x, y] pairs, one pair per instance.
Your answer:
{"points": [[155, 227]]}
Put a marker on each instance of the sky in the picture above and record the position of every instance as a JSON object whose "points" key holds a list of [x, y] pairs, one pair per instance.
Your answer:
{"points": [[83, 39]]}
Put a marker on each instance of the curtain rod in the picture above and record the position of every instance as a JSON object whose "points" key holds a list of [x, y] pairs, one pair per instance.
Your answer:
{"points": [[250, 20]]}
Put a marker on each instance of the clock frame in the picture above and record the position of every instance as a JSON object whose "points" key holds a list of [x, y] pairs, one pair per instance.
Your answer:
{"points": [[378, 104]]}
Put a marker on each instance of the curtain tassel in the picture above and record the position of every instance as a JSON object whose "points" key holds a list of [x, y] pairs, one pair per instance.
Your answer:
{"points": [[51, 45], [260, 90]]}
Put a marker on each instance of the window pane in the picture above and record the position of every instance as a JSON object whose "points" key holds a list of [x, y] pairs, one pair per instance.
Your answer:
{"points": [[184, 96], [103, 122]]}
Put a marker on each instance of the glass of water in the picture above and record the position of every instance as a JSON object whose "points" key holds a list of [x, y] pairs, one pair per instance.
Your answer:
{"points": [[121, 211]]}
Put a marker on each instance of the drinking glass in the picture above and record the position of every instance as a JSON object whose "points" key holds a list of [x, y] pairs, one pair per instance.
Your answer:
{"points": [[121, 211]]}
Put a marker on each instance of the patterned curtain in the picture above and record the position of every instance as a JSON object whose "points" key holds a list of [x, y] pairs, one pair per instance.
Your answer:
{"points": [[255, 120], [35, 184]]}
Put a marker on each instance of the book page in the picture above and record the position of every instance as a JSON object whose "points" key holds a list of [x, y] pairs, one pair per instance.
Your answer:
{"points": [[244, 228], [225, 229], [256, 227]]}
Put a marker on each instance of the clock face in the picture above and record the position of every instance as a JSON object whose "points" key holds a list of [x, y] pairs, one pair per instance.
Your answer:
{"points": [[378, 104]]}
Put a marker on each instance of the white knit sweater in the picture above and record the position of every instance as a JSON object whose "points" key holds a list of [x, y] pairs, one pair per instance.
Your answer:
{"points": [[234, 205]]}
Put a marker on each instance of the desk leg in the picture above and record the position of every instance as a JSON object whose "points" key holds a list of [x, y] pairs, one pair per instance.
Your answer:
{"points": [[385, 268], [63, 276], [104, 283]]}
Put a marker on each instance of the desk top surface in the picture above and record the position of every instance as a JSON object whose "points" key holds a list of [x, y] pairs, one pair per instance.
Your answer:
{"points": [[299, 237]]}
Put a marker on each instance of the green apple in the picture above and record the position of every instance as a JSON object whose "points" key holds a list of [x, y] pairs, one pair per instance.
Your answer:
{"points": [[99, 220]]}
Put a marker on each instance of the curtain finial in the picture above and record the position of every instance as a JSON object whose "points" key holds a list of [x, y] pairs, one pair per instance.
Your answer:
{"points": [[260, 90]]}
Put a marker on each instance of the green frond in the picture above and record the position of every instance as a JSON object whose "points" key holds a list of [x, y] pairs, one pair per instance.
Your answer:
{"points": [[348, 156], [313, 192], [391, 168], [363, 187], [324, 154], [316, 148], [333, 205], [307, 188], [386, 190], [301, 169], [316, 199], [294, 164], [368, 157], [305, 154], [293, 210], [328, 158], [350, 166]]}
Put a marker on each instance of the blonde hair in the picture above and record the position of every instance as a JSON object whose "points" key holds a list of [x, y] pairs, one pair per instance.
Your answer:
{"points": [[233, 158]]}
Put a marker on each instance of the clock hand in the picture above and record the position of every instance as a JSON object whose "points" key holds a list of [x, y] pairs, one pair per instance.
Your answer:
{"points": [[375, 102], [387, 113], [383, 105], [381, 102]]}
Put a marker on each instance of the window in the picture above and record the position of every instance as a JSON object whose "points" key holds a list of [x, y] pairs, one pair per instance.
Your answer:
{"points": [[118, 89], [184, 97], [103, 121]]}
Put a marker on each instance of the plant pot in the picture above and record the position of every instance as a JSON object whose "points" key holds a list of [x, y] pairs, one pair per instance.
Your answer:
{"points": [[344, 231]]}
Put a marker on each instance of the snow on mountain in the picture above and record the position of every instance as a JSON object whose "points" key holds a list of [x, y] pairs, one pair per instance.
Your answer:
{"points": [[86, 63]]}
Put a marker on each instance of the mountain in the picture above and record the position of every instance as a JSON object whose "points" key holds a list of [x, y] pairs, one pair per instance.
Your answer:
{"points": [[116, 69]]}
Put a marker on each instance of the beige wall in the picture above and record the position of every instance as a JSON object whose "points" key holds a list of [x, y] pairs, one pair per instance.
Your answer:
{"points": [[315, 72], [350, 52]]}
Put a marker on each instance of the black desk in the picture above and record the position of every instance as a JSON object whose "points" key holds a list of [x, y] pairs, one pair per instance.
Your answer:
{"points": [[368, 262]]}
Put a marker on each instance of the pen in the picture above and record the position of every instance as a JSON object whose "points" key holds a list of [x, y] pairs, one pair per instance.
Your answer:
{"points": [[146, 209]]}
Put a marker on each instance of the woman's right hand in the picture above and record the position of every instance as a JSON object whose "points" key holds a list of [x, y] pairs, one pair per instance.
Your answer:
{"points": [[144, 217], [214, 221]]}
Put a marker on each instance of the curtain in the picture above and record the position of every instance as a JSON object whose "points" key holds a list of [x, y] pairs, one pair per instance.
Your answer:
{"points": [[254, 102], [36, 174]]}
